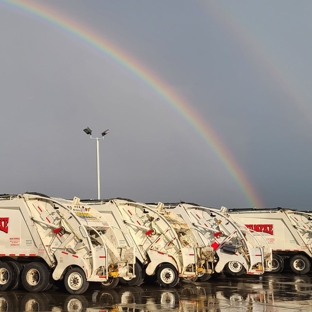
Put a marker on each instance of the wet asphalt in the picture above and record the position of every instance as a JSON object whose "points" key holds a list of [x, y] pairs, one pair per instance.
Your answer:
{"points": [[269, 293]]}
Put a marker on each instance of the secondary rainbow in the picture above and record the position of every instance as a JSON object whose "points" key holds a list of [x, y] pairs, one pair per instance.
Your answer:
{"points": [[262, 59], [176, 102]]}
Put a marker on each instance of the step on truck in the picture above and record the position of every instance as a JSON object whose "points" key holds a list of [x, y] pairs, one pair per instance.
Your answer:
{"points": [[159, 250], [46, 241], [237, 250], [287, 231]]}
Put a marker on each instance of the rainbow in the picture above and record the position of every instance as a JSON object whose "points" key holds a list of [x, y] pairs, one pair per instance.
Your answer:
{"points": [[257, 53], [173, 99]]}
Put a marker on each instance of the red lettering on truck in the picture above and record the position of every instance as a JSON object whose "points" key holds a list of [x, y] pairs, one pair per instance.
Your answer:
{"points": [[4, 225], [264, 228]]}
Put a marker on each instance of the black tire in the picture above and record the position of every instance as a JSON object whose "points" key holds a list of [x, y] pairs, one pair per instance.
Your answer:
{"points": [[110, 283], [216, 276], [137, 280], [167, 275], [17, 267], [34, 302], [168, 300], [75, 303], [204, 278], [150, 279], [7, 276], [107, 297], [277, 264], [75, 281], [234, 268], [51, 282], [35, 277], [9, 301], [300, 264]]}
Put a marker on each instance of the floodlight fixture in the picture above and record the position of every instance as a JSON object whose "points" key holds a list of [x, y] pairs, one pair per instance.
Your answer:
{"points": [[88, 131], [105, 132]]}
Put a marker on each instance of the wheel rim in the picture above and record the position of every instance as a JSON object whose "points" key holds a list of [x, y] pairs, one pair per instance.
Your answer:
{"points": [[33, 277], [167, 275], [127, 297], [4, 305], [75, 281], [235, 266], [127, 278], [167, 299], [299, 265], [275, 264], [74, 305], [31, 305], [108, 282], [4, 276]]}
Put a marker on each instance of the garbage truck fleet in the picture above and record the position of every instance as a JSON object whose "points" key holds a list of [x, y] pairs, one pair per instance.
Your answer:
{"points": [[51, 242]]}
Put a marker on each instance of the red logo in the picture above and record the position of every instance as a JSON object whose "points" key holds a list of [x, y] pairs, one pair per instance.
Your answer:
{"points": [[264, 228], [4, 225]]}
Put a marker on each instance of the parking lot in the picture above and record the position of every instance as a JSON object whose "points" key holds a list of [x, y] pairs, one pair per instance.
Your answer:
{"points": [[271, 292]]}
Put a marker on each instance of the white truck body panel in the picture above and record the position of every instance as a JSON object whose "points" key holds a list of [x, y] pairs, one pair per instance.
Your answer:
{"points": [[61, 232], [284, 229], [214, 228], [155, 239]]}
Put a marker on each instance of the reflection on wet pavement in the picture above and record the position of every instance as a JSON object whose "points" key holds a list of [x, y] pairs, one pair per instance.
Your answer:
{"points": [[268, 293]]}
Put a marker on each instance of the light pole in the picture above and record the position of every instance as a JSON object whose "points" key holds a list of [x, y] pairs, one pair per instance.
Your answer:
{"points": [[88, 131]]}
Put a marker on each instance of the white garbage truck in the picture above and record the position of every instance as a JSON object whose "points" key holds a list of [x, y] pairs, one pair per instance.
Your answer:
{"points": [[287, 231], [45, 241], [163, 250], [237, 250]]}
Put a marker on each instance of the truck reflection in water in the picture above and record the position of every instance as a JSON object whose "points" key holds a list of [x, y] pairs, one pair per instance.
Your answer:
{"points": [[268, 293]]}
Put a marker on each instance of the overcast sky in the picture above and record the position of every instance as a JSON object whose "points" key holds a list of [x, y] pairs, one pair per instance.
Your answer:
{"points": [[243, 66]]}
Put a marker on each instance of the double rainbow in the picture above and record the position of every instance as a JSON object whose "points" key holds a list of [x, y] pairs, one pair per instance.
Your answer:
{"points": [[173, 99]]}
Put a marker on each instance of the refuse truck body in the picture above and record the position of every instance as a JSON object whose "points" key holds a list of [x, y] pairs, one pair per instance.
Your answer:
{"points": [[287, 231], [237, 250], [45, 241], [159, 251]]}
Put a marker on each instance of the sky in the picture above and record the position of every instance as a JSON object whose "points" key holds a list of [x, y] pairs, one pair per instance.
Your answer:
{"points": [[206, 102]]}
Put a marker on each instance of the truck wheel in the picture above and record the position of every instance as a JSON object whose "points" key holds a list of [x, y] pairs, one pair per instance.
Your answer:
{"points": [[75, 303], [203, 278], [167, 275], [300, 264], [35, 277], [34, 302], [17, 267], [110, 283], [75, 281], [234, 268], [9, 301], [277, 264], [7, 276], [137, 280]]}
